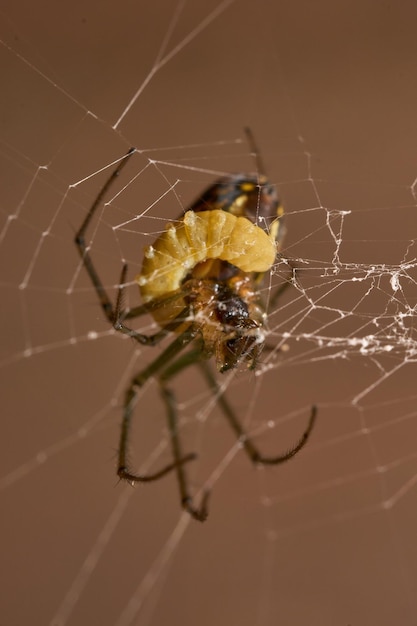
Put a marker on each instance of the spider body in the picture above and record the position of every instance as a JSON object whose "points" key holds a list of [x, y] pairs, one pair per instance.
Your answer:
{"points": [[216, 255], [214, 259], [201, 281]]}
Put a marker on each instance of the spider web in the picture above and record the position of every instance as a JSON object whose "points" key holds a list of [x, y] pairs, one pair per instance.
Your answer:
{"points": [[329, 92]]}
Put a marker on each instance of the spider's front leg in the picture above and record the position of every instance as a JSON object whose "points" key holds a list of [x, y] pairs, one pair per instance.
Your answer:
{"points": [[113, 314]]}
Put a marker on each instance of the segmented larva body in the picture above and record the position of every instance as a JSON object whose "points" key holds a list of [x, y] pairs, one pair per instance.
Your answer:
{"points": [[200, 236]]}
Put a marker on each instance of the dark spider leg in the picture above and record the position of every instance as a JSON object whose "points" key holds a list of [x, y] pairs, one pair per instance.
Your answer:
{"points": [[278, 293], [254, 151], [289, 282], [190, 358], [83, 249], [113, 315], [120, 315], [250, 448], [137, 382], [201, 512], [274, 299]]}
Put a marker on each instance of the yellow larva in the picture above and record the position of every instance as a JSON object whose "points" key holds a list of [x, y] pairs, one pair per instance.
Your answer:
{"points": [[214, 234]]}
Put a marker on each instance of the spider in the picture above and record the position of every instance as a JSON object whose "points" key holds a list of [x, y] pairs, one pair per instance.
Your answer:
{"points": [[200, 281]]}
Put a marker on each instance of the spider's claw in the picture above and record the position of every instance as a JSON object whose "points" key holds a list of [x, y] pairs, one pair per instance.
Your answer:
{"points": [[201, 513], [125, 474]]}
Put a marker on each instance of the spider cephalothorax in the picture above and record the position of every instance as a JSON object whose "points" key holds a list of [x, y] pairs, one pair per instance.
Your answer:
{"points": [[228, 317]]}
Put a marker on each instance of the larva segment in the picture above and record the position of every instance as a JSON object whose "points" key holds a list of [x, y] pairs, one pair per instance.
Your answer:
{"points": [[214, 234]]}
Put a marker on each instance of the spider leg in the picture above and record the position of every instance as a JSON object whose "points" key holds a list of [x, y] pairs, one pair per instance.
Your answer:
{"points": [[201, 512], [83, 248], [130, 399], [189, 358], [120, 315], [289, 281], [249, 447], [113, 314], [279, 291]]}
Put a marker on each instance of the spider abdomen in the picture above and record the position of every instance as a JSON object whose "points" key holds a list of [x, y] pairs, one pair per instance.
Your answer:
{"points": [[199, 236]]}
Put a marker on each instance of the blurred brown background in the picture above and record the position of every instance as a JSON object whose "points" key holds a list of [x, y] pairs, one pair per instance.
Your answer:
{"points": [[330, 91]]}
